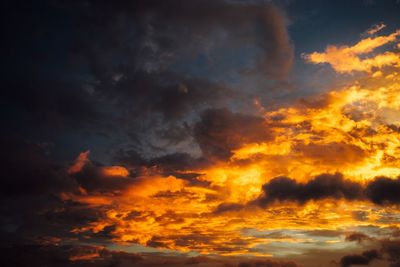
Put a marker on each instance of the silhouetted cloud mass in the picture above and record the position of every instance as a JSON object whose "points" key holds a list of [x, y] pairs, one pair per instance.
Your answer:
{"points": [[380, 191]]}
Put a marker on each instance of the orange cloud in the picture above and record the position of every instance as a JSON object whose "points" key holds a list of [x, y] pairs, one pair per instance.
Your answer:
{"points": [[346, 59], [353, 130], [77, 166], [115, 171]]}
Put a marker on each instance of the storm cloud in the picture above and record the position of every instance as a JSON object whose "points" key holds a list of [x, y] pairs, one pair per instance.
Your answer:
{"points": [[380, 190]]}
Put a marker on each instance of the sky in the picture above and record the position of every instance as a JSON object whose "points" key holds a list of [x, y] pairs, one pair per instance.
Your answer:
{"points": [[209, 133]]}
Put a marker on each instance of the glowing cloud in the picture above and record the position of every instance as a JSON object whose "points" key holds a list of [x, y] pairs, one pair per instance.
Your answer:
{"points": [[346, 59], [115, 171], [311, 165], [79, 163]]}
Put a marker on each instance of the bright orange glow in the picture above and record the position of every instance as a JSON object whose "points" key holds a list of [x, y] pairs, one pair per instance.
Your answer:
{"points": [[115, 171], [345, 59], [354, 130]]}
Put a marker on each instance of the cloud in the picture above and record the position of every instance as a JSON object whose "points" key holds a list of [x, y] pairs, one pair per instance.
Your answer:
{"points": [[156, 94], [334, 153], [79, 163], [321, 187], [392, 249], [227, 207], [268, 263], [380, 191], [383, 190], [93, 178], [142, 80], [28, 170], [142, 67], [364, 259], [49, 103], [158, 45], [376, 28], [358, 237], [389, 252], [220, 131], [36, 255], [346, 59]]}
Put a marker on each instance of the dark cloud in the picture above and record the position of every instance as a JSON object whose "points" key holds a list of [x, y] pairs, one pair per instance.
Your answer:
{"points": [[72, 214], [168, 94], [363, 259], [227, 207], [93, 179], [321, 187], [140, 71], [383, 190], [220, 131], [139, 52], [392, 249], [380, 191], [50, 103], [27, 169], [358, 237], [180, 165], [171, 163], [162, 33], [389, 252], [36, 255], [268, 263]]}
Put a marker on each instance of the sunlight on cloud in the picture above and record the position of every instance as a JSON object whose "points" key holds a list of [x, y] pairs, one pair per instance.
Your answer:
{"points": [[346, 59], [354, 130]]}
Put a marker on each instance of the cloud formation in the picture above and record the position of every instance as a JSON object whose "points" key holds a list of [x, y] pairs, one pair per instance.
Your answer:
{"points": [[187, 164], [364, 259], [347, 59], [221, 131], [380, 191]]}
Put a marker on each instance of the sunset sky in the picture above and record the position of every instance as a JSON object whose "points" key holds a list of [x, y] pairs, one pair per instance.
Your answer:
{"points": [[229, 133]]}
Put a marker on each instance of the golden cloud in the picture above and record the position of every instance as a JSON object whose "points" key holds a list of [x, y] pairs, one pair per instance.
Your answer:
{"points": [[346, 59], [354, 130]]}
